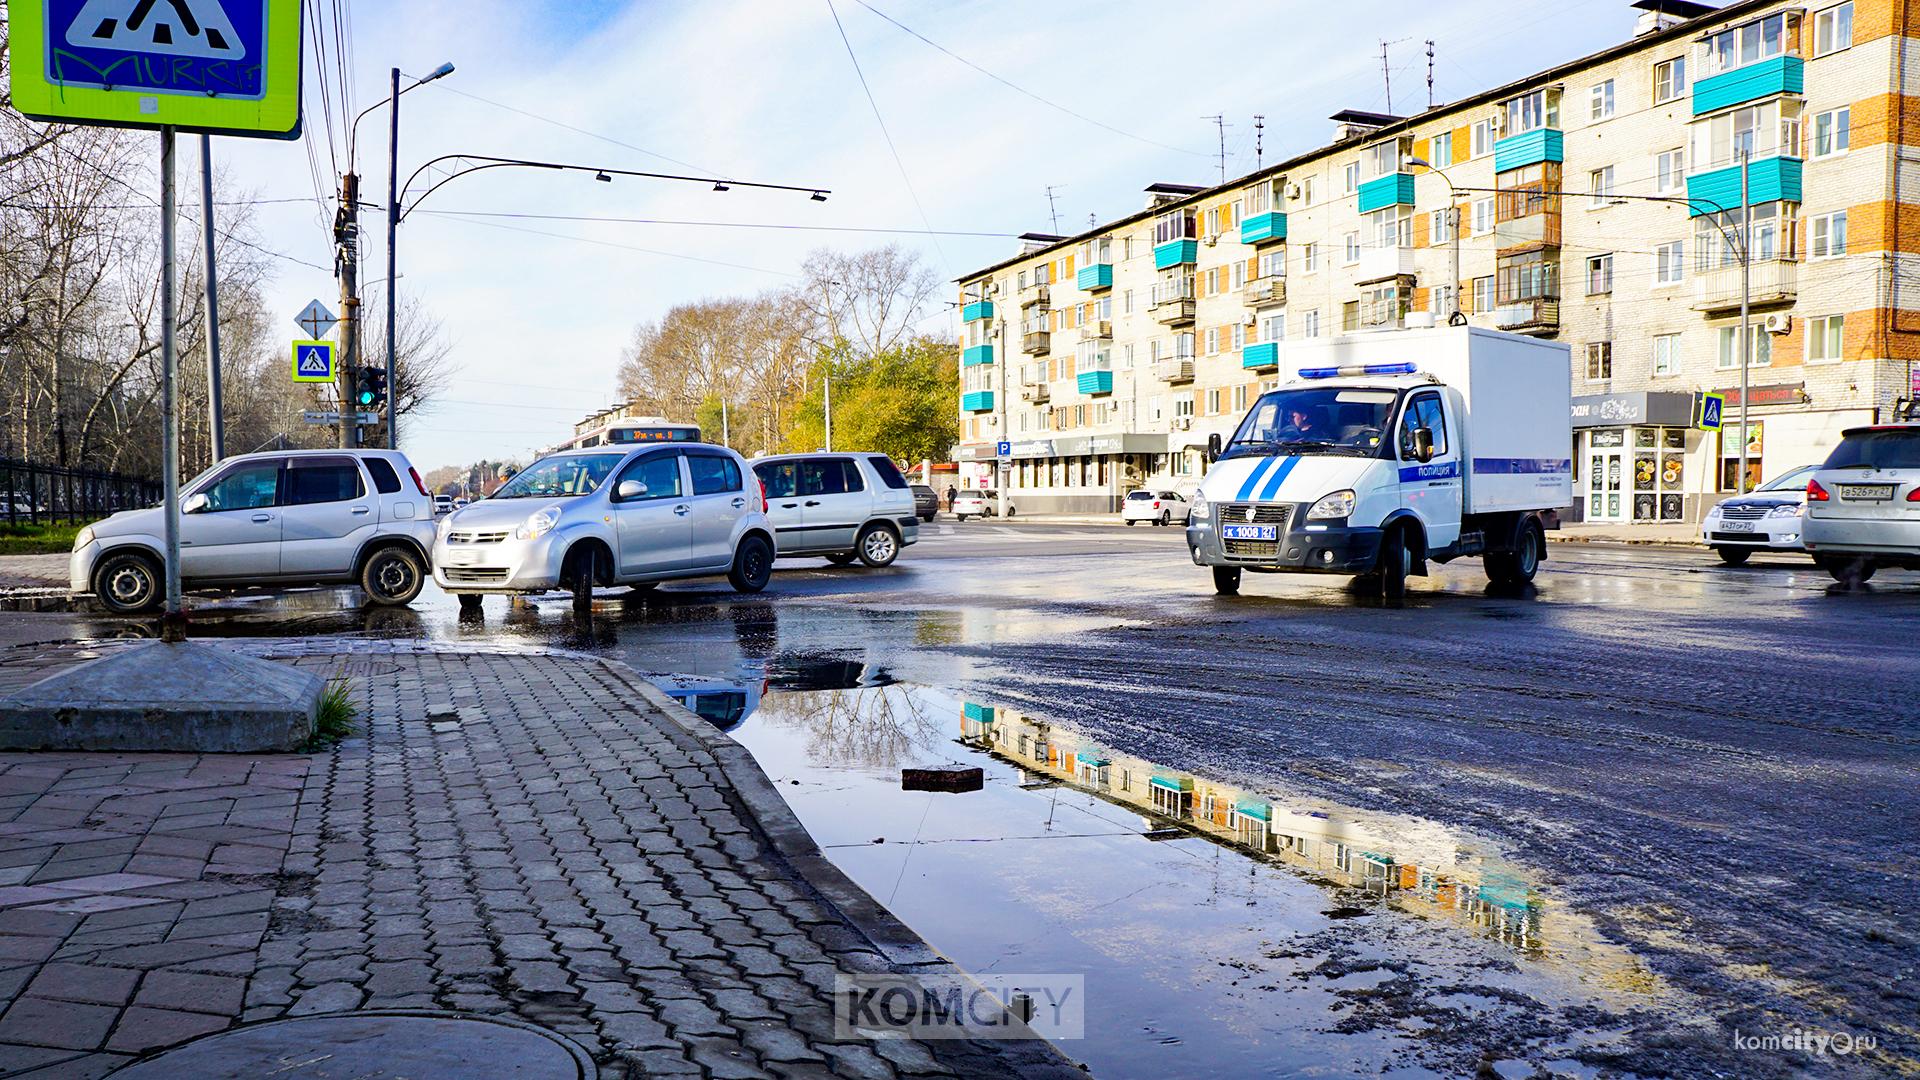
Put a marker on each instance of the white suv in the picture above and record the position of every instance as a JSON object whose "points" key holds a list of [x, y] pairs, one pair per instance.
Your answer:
{"points": [[1863, 505], [842, 506], [581, 518], [300, 517]]}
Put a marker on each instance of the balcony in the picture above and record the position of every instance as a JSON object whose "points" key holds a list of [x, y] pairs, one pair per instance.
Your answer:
{"points": [[1265, 292], [1532, 315], [1034, 294], [1036, 391], [976, 354], [1533, 231], [1262, 357], [1775, 281], [1529, 148], [1095, 277], [1174, 312], [1176, 253], [1095, 382], [1035, 342], [977, 310], [1097, 330], [1268, 228], [977, 401], [1383, 264], [1774, 179], [1393, 189], [1175, 369], [1780, 75]]}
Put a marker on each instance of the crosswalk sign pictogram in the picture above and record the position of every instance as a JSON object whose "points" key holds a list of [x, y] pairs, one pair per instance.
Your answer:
{"points": [[169, 27], [1708, 409], [313, 361]]}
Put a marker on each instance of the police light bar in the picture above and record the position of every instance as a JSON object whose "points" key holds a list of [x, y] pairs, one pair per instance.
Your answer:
{"points": [[1403, 368]]}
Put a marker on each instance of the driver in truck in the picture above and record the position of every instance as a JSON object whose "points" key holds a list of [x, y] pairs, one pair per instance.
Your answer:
{"points": [[1304, 425]]}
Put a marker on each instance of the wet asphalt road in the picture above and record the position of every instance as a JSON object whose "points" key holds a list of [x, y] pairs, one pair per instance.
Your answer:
{"points": [[1717, 765]]}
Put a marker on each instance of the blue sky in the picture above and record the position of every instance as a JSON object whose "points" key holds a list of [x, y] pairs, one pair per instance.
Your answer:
{"points": [[539, 309]]}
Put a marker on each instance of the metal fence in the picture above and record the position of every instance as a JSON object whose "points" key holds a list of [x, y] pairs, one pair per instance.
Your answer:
{"points": [[47, 494]]}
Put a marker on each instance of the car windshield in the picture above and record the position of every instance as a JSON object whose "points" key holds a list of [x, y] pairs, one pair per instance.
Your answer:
{"points": [[1898, 449], [1792, 481], [1323, 420], [562, 474]]}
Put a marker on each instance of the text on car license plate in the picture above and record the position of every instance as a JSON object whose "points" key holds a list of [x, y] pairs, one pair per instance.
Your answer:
{"points": [[1866, 492], [1250, 532], [1736, 526]]}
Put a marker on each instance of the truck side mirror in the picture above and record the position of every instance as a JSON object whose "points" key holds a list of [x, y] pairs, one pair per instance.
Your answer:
{"points": [[1422, 444], [1213, 448]]}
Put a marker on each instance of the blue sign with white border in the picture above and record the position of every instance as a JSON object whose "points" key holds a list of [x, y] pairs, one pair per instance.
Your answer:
{"points": [[313, 361], [203, 48]]}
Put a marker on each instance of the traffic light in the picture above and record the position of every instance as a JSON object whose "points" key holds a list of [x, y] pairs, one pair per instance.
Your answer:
{"points": [[373, 388]]}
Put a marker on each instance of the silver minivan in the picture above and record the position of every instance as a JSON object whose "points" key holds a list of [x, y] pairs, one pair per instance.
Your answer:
{"points": [[842, 506]]}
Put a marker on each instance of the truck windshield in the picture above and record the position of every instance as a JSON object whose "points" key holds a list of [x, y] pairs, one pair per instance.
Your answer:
{"points": [[562, 474], [1320, 420]]}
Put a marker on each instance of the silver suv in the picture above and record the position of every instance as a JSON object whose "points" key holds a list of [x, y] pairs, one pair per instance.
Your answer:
{"points": [[1863, 505], [843, 506], [581, 518], [302, 517]]}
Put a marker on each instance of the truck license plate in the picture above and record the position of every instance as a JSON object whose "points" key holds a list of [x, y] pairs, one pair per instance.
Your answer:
{"points": [[1250, 532], [1866, 492], [1736, 526]]}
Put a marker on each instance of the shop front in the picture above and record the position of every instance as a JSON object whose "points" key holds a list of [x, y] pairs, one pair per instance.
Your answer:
{"points": [[1081, 474], [1631, 458]]}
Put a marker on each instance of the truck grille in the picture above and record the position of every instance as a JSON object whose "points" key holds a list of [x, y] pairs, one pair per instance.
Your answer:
{"points": [[1263, 513], [476, 537], [467, 575]]}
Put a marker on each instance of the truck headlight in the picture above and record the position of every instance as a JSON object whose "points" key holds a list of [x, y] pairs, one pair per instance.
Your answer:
{"points": [[1199, 507], [1786, 511], [1337, 505], [538, 524], [83, 538]]}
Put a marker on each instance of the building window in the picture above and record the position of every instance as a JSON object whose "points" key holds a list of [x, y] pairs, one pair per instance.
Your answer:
{"points": [[1670, 170], [1600, 101], [1833, 29], [1239, 273], [1483, 216], [1710, 243], [1666, 354], [1311, 323], [1483, 293], [1670, 263], [1309, 258], [1381, 159], [1178, 225], [1183, 406], [1213, 402], [1213, 340], [1274, 328], [1669, 80], [1760, 349], [1350, 178], [1126, 357], [1273, 264], [1240, 398], [1600, 183], [1829, 236], [1440, 230], [1762, 39], [1239, 336], [1482, 138], [1390, 228], [1353, 248], [1599, 274], [1824, 335], [1126, 302], [1350, 315], [1441, 153], [1757, 131], [1830, 132], [1308, 189], [1256, 199], [1599, 361], [1539, 109]]}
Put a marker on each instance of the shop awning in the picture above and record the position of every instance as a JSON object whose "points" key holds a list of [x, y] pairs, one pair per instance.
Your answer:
{"points": [[1253, 808], [976, 711], [1092, 758], [1179, 784]]}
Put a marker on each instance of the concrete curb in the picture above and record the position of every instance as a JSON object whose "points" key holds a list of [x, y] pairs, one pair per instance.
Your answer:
{"points": [[1682, 545]]}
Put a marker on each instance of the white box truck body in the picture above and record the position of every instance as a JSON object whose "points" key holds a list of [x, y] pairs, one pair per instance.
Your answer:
{"points": [[1391, 450]]}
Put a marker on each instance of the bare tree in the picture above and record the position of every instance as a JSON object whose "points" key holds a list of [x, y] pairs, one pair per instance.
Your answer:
{"points": [[869, 299]]}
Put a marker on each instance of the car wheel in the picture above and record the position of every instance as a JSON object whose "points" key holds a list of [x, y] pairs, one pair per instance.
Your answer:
{"points": [[1848, 571], [128, 583], [1010, 510], [1166, 518], [752, 565], [1226, 580], [842, 558], [878, 545], [469, 603], [393, 576], [582, 568], [1130, 523], [1733, 556]]}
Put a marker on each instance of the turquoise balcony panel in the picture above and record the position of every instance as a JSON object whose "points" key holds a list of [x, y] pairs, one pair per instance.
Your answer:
{"points": [[1264, 355], [1095, 382], [1768, 180], [973, 710], [976, 354], [1254, 808], [977, 401], [1529, 148], [1096, 276], [1780, 75], [1175, 252], [979, 309], [1393, 189], [1265, 228]]}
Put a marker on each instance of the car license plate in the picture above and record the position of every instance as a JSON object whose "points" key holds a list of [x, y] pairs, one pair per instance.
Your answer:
{"points": [[456, 557], [1866, 492], [1736, 526], [1250, 532]]}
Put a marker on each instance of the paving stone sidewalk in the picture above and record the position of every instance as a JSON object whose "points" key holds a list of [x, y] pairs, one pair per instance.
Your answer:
{"points": [[521, 835]]}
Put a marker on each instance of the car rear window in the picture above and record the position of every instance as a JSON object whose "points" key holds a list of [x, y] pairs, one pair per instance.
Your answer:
{"points": [[1141, 495], [385, 480], [713, 474], [1877, 450], [890, 474]]}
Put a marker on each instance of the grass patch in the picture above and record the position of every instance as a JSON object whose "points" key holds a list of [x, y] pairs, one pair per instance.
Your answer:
{"points": [[36, 539], [336, 716]]}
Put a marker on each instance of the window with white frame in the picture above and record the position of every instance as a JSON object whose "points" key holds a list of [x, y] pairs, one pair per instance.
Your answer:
{"points": [[1213, 401], [1483, 293], [1350, 178], [1439, 300], [1833, 29], [1239, 273], [1599, 361], [1599, 274], [1759, 349], [1273, 264], [1830, 131], [1670, 263], [1353, 247], [1441, 151], [1824, 336], [1600, 101], [1256, 199], [1240, 398], [1239, 336], [1213, 340], [1669, 80], [1274, 328], [1183, 406], [1600, 185], [1482, 138], [1126, 356], [1666, 354], [1483, 216], [1311, 323], [1670, 170], [1309, 257], [1711, 246], [1309, 188], [1440, 229], [1827, 235], [1183, 346], [1750, 43], [1390, 228], [1530, 111], [1764, 130], [1381, 159]]}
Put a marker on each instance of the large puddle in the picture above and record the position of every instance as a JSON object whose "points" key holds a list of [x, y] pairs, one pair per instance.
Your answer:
{"points": [[1220, 930]]}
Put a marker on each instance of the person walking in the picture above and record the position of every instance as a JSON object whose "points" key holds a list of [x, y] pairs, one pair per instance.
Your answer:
{"points": [[952, 494]]}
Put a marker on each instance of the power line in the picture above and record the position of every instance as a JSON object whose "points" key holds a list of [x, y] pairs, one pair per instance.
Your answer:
{"points": [[625, 247], [717, 224], [583, 131]]}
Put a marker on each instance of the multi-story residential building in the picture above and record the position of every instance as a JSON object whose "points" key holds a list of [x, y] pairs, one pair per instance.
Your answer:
{"points": [[1598, 203]]}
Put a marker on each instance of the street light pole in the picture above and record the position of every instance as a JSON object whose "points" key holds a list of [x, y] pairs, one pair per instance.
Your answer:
{"points": [[393, 223], [1746, 297], [214, 419], [1453, 220]]}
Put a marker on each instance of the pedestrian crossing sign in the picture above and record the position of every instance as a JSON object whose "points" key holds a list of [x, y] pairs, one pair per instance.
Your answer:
{"points": [[1707, 410], [313, 361]]}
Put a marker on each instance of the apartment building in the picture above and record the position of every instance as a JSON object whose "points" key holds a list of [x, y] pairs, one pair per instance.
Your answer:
{"points": [[1598, 203]]}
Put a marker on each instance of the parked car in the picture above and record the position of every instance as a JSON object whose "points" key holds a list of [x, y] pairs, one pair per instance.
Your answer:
{"points": [[842, 506], [443, 504], [638, 517], [978, 504], [926, 502], [1160, 507], [1863, 503], [288, 518], [1766, 519]]}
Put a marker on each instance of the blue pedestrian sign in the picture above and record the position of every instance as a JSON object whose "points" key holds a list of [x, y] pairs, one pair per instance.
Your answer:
{"points": [[1003, 448], [313, 361], [1707, 410]]}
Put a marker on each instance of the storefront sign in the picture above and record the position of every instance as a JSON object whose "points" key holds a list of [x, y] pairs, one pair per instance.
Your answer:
{"points": [[1781, 394], [973, 452], [1645, 407]]}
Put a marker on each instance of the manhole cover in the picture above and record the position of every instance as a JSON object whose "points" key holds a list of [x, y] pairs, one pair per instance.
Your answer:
{"points": [[371, 1046]]}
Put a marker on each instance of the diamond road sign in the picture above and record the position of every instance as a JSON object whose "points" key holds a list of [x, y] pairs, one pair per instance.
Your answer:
{"points": [[315, 319], [227, 67], [313, 361]]}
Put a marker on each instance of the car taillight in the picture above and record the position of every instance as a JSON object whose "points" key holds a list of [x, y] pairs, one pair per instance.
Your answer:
{"points": [[1914, 495], [763, 496], [1816, 493]]}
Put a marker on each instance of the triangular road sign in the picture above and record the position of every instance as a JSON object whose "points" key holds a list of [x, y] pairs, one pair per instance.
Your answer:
{"points": [[314, 361], [166, 27]]}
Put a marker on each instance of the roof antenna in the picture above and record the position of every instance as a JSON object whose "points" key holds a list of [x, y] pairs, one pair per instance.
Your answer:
{"points": [[1259, 125], [1221, 125], [1429, 73], [1053, 210], [1387, 74]]}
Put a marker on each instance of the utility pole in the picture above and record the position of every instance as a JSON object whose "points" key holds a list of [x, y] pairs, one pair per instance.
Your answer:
{"points": [[826, 393], [214, 425], [1746, 296], [346, 234], [1053, 210], [1386, 73], [1220, 126], [173, 623], [1429, 73], [393, 285], [1259, 133]]}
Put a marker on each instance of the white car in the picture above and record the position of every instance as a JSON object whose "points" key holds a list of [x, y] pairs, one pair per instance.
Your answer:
{"points": [[443, 504], [842, 506], [1863, 504], [300, 517], [1766, 519], [629, 516], [1163, 507], [978, 504]]}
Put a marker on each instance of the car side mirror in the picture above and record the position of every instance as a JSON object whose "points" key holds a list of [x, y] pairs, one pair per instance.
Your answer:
{"points": [[1422, 444], [194, 503], [1213, 448], [630, 489]]}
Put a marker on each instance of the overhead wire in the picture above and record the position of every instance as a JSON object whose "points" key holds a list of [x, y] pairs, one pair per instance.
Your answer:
{"points": [[531, 115], [623, 247], [773, 225]]}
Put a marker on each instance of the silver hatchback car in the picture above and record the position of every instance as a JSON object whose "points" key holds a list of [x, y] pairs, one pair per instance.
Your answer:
{"points": [[604, 516], [1863, 505]]}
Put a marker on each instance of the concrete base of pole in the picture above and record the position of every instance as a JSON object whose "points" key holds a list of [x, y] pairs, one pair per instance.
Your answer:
{"points": [[167, 697]]}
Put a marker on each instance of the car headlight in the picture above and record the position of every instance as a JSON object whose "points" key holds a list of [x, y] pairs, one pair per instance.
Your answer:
{"points": [[1199, 508], [1786, 511], [538, 524], [83, 538], [1714, 512], [1337, 505]]}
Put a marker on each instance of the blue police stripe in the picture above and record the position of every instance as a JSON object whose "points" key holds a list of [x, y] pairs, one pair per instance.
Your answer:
{"points": [[1522, 466], [1279, 476], [1246, 489]]}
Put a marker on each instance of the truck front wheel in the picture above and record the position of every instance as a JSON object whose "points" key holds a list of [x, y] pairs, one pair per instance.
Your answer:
{"points": [[1396, 562], [1226, 580]]}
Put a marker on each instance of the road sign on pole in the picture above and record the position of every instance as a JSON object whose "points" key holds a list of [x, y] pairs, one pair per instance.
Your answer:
{"points": [[1003, 449], [1707, 410], [315, 319], [222, 67], [313, 361]]}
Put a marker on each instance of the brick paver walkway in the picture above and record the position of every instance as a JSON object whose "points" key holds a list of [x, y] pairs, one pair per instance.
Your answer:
{"points": [[520, 835]]}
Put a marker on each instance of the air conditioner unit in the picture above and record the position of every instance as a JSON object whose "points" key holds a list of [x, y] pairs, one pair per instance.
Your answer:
{"points": [[1249, 318], [1212, 238], [1182, 423], [1777, 323], [1293, 192]]}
